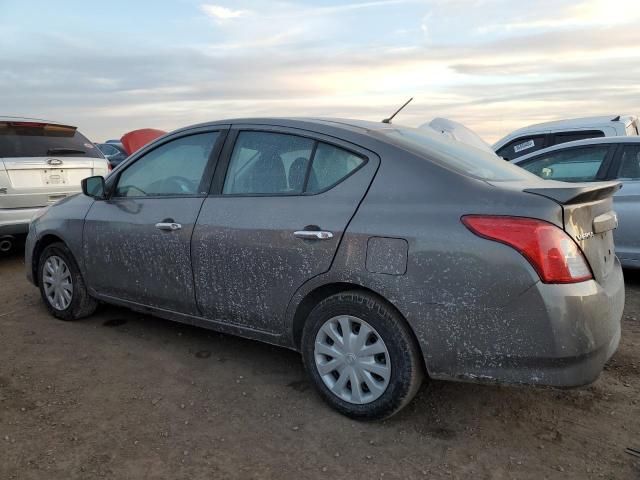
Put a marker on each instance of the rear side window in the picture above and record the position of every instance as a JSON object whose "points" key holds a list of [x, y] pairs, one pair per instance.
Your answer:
{"points": [[264, 162], [521, 146], [630, 164], [575, 165], [267, 163], [26, 139], [564, 137]]}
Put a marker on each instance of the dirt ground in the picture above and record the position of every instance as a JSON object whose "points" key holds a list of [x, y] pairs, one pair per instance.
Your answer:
{"points": [[126, 396]]}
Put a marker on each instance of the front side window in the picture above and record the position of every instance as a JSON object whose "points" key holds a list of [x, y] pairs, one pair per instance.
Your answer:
{"points": [[175, 168], [630, 164], [267, 163], [575, 165], [521, 146]]}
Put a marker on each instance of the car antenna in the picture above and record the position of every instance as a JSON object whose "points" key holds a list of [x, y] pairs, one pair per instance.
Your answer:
{"points": [[388, 120]]}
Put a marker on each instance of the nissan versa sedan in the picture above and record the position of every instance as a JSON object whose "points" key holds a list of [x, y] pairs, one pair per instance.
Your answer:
{"points": [[383, 254], [594, 160]]}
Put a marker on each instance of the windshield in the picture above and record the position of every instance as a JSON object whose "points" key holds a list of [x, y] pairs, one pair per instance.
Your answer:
{"points": [[24, 139], [454, 154]]}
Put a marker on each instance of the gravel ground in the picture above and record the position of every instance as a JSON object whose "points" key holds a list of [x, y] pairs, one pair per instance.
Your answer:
{"points": [[126, 396]]}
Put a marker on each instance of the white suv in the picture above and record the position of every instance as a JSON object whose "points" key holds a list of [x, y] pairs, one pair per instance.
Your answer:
{"points": [[542, 135], [41, 162]]}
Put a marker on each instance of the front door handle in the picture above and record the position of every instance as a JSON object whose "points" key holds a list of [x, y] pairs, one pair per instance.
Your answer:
{"points": [[313, 234], [168, 226]]}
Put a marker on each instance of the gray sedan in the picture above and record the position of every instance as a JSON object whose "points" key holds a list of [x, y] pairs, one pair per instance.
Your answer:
{"points": [[384, 254], [600, 159]]}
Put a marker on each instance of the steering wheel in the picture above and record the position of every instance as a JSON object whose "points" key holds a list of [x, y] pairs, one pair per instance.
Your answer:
{"points": [[184, 184]]}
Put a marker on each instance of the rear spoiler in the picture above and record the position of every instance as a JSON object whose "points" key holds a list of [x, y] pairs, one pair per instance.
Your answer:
{"points": [[578, 193], [36, 124]]}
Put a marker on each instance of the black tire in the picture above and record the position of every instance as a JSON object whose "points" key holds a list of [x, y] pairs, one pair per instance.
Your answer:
{"points": [[407, 364], [81, 305]]}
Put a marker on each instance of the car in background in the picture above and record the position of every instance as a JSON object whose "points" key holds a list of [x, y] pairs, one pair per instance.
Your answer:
{"points": [[595, 160], [41, 162], [114, 152], [543, 135], [382, 253]]}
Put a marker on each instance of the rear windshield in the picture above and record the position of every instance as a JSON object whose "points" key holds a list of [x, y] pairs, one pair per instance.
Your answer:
{"points": [[20, 139], [454, 154]]}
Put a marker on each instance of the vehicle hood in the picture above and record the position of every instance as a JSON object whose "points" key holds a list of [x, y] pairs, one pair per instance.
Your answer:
{"points": [[136, 139]]}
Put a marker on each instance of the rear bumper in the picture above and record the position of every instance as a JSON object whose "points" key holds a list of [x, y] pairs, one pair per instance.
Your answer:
{"points": [[15, 221], [556, 335]]}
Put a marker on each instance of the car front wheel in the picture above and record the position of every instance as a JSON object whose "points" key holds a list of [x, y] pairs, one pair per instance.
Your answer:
{"points": [[61, 284], [361, 355]]}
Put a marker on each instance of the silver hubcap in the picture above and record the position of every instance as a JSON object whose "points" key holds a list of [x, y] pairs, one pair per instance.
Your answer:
{"points": [[58, 286], [352, 359]]}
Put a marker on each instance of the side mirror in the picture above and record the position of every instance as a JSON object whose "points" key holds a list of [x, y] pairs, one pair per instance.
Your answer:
{"points": [[94, 187]]}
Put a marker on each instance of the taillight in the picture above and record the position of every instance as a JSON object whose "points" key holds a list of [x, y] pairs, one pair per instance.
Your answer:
{"points": [[554, 255]]}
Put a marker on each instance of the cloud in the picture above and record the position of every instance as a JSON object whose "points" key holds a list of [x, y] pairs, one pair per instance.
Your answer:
{"points": [[587, 13], [353, 6], [221, 13], [304, 60]]}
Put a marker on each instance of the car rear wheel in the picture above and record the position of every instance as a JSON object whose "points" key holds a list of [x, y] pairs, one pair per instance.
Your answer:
{"points": [[361, 356], [61, 284]]}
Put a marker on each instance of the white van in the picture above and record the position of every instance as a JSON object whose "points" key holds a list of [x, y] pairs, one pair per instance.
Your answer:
{"points": [[542, 135]]}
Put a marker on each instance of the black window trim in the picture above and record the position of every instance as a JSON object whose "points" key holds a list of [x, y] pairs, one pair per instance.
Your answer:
{"points": [[207, 176], [225, 159], [604, 172]]}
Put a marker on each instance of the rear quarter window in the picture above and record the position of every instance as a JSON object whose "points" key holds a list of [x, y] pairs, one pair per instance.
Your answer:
{"points": [[24, 139]]}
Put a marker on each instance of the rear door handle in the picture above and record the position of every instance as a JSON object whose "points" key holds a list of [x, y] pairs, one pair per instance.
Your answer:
{"points": [[168, 226], [313, 234]]}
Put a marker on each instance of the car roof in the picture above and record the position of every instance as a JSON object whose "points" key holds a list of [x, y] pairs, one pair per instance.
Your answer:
{"points": [[580, 143], [581, 122], [301, 122], [568, 124]]}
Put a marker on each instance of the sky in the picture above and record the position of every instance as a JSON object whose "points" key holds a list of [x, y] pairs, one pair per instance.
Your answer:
{"points": [[109, 67]]}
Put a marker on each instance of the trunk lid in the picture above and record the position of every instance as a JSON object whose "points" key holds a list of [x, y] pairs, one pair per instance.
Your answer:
{"points": [[588, 218]]}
